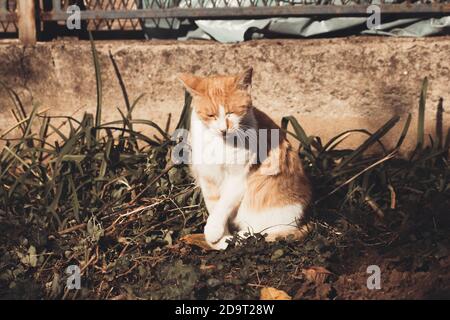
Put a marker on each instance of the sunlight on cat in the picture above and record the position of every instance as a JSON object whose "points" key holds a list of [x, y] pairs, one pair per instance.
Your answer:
{"points": [[250, 176]]}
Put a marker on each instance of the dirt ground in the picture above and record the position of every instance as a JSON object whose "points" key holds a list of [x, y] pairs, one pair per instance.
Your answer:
{"points": [[402, 277]]}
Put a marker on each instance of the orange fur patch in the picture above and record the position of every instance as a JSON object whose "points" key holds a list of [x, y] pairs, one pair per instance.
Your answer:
{"points": [[210, 93], [279, 179]]}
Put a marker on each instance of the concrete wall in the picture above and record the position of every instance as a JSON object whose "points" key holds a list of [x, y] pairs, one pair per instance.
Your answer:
{"points": [[330, 85]]}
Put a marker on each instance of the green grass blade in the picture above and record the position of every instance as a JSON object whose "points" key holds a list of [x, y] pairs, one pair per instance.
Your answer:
{"points": [[121, 82], [439, 123], [369, 142], [42, 136], [75, 201], [185, 117], [98, 79], [15, 99], [421, 119], [404, 131], [299, 132]]}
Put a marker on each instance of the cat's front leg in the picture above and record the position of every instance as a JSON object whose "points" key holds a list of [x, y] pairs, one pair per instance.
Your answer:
{"points": [[232, 192], [215, 230], [210, 192]]}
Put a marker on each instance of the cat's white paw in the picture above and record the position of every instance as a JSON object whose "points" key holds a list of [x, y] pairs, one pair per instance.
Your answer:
{"points": [[213, 232], [222, 244]]}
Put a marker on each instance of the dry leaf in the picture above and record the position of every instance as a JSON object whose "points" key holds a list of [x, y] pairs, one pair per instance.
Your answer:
{"points": [[393, 196], [30, 258], [316, 274], [123, 240], [207, 267], [269, 293], [197, 239]]}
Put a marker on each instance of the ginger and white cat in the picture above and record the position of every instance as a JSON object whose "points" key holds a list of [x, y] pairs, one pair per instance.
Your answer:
{"points": [[251, 190]]}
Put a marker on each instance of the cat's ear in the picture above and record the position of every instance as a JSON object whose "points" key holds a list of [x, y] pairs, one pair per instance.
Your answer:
{"points": [[190, 82], [244, 80]]}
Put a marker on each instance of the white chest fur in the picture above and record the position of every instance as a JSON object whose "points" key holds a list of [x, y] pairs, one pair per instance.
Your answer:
{"points": [[212, 156]]}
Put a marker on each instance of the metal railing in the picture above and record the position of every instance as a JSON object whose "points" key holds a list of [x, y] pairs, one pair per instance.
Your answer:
{"points": [[127, 14], [8, 16], [226, 9]]}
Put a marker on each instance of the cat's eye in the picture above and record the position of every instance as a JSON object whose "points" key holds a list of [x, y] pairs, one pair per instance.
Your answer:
{"points": [[211, 115]]}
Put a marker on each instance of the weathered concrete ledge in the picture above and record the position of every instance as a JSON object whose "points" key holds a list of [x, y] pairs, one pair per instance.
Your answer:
{"points": [[330, 85]]}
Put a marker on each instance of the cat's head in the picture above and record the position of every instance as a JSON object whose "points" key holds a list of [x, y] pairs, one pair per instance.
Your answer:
{"points": [[222, 103]]}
